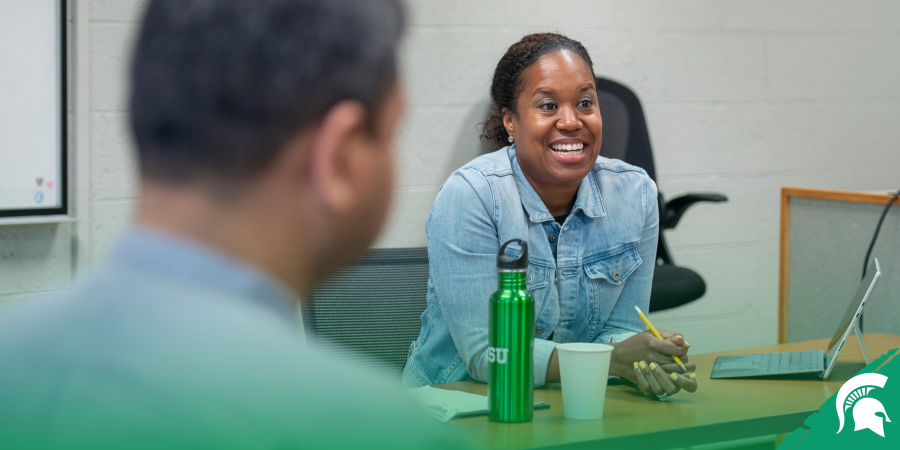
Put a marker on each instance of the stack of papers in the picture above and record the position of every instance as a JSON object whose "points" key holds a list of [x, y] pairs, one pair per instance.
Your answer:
{"points": [[443, 404]]}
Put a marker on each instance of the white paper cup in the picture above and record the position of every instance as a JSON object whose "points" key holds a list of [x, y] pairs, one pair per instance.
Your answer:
{"points": [[583, 369]]}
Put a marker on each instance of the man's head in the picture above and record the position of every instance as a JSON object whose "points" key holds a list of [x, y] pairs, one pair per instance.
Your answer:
{"points": [[278, 108]]}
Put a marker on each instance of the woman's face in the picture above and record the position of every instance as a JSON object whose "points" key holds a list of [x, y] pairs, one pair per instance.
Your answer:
{"points": [[557, 128]]}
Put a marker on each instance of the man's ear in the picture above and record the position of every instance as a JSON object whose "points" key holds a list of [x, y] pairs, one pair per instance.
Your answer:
{"points": [[334, 142]]}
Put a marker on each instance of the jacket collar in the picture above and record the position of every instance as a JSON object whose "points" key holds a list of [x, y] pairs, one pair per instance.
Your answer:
{"points": [[588, 199]]}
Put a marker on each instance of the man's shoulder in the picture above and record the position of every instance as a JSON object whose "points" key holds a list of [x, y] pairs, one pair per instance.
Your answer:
{"points": [[163, 359], [147, 331], [128, 306]]}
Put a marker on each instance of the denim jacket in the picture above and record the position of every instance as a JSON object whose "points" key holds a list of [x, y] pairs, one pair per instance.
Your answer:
{"points": [[585, 275]]}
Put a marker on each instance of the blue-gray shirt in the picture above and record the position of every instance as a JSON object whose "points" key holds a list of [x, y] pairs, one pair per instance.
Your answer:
{"points": [[586, 275], [175, 344]]}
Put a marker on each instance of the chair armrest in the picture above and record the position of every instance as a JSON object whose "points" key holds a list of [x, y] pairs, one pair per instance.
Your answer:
{"points": [[677, 206]]}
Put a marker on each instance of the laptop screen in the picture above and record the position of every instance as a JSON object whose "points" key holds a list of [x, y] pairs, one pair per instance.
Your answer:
{"points": [[846, 322]]}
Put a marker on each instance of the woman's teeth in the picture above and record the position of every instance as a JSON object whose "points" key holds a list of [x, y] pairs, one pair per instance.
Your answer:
{"points": [[568, 149]]}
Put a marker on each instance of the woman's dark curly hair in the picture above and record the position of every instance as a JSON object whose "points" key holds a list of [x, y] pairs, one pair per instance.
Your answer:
{"points": [[507, 84]]}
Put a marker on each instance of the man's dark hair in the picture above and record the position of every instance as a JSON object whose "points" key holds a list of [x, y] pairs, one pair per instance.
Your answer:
{"points": [[218, 87], [507, 83]]}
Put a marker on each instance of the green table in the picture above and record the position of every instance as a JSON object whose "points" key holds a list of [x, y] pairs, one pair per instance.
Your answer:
{"points": [[720, 410]]}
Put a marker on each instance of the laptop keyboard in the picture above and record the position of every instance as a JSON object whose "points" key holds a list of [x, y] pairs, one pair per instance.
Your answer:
{"points": [[788, 362], [784, 363]]}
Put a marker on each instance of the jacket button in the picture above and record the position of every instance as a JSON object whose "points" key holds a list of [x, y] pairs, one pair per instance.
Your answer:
{"points": [[538, 330], [617, 275], [552, 237]]}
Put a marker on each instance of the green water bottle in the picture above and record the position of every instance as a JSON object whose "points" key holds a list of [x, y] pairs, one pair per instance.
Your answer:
{"points": [[511, 341]]}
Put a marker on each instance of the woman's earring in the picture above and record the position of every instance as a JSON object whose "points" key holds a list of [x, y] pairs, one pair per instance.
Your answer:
{"points": [[510, 139]]}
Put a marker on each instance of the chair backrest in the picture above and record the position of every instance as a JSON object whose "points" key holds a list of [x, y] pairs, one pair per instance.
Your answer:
{"points": [[625, 135], [371, 309]]}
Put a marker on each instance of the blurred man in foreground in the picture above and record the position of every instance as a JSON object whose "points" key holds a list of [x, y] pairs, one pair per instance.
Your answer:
{"points": [[264, 131]]}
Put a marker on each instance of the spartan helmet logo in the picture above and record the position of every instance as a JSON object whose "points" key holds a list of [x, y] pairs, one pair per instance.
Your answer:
{"points": [[853, 394]]}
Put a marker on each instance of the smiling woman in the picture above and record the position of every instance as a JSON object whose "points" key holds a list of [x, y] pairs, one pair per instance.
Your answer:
{"points": [[591, 224]]}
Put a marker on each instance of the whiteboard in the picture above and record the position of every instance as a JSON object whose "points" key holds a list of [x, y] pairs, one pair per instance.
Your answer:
{"points": [[32, 108]]}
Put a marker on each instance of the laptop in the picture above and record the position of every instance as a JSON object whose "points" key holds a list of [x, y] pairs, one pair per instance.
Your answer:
{"points": [[809, 361]]}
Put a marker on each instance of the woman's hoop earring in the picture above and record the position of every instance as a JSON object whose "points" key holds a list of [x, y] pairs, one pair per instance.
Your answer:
{"points": [[510, 139]]}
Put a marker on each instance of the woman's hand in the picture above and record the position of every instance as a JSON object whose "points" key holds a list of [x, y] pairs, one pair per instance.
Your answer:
{"points": [[648, 348], [660, 381], [645, 348]]}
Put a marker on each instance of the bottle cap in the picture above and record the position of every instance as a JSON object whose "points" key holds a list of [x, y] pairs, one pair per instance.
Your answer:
{"points": [[508, 263]]}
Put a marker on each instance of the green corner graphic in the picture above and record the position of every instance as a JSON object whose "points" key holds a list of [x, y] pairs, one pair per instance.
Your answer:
{"points": [[859, 415]]}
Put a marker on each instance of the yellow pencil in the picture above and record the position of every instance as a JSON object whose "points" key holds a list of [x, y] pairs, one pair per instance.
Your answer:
{"points": [[656, 333]]}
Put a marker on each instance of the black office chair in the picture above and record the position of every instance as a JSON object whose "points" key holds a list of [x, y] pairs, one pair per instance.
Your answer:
{"points": [[625, 137], [370, 311]]}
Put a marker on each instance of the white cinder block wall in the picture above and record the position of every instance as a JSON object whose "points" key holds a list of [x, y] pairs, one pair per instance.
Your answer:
{"points": [[741, 97]]}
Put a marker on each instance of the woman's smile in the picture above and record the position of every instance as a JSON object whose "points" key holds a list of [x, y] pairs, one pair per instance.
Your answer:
{"points": [[569, 152]]}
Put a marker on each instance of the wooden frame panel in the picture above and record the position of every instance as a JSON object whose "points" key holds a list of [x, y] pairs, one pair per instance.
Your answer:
{"points": [[784, 245]]}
